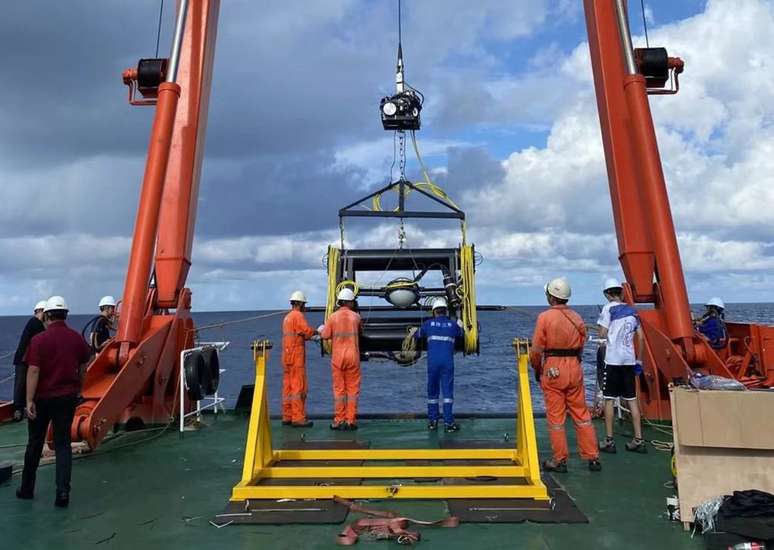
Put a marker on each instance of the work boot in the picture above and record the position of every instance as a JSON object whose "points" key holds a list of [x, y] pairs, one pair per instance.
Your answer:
{"points": [[637, 446], [453, 427], [350, 426], [553, 466], [24, 495], [303, 424], [608, 446], [432, 425], [338, 426], [62, 500], [595, 465], [286, 422]]}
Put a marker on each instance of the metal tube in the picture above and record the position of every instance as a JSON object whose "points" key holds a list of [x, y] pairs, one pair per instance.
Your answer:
{"points": [[177, 42], [138, 272], [626, 37]]}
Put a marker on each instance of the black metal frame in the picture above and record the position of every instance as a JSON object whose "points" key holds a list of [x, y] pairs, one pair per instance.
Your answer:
{"points": [[351, 210], [383, 334]]}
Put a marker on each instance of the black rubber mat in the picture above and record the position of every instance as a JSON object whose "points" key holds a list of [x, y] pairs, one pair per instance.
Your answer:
{"points": [[279, 513], [322, 445], [325, 444], [560, 509]]}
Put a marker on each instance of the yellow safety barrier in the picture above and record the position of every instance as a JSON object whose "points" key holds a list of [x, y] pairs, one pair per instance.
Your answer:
{"points": [[262, 460]]}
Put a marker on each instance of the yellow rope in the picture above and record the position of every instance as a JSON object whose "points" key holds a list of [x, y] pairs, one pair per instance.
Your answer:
{"points": [[408, 355], [333, 267], [469, 316], [334, 254], [428, 184], [347, 283]]}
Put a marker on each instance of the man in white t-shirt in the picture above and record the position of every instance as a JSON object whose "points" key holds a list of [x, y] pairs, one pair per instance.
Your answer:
{"points": [[619, 324]]}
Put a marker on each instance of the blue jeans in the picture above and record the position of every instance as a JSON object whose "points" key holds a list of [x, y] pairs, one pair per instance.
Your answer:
{"points": [[440, 379]]}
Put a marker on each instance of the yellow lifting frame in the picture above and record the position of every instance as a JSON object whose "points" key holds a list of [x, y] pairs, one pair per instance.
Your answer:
{"points": [[261, 459]]}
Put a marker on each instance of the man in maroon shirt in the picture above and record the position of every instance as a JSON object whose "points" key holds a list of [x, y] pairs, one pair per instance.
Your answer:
{"points": [[56, 360]]}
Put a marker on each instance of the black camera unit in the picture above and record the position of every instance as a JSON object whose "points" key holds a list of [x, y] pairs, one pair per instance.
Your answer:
{"points": [[401, 111]]}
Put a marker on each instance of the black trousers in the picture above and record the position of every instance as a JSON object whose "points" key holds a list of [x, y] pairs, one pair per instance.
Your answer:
{"points": [[20, 387], [59, 411]]}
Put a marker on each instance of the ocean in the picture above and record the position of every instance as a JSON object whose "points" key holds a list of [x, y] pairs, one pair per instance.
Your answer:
{"points": [[484, 383]]}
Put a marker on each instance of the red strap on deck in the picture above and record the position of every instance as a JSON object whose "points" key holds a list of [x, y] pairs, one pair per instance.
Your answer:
{"points": [[385, 525]]}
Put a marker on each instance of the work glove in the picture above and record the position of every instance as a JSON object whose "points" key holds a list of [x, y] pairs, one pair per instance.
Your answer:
{"points": [[459, 323], [553, 372], [320, 328], [315, 338]]}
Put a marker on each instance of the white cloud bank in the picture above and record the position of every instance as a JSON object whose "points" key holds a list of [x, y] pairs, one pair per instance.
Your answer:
{"points": [[550, 211]]}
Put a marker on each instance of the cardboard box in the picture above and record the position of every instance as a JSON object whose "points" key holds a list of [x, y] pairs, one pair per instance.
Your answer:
{"points": [[724, 442], [735, 419]]}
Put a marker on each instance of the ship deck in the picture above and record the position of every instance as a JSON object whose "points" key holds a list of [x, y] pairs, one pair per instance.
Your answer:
{"points": [[162, 493]]}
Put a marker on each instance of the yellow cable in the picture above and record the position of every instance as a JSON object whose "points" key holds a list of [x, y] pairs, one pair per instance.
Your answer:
{"points": [[401, 284], [469, 314], [346, 283], [334, 254], [437, 190]]}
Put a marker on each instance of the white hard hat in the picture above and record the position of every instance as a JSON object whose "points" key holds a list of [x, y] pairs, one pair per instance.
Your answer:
{"points": [[611, 283], [297, 296], [558, 288], [439, 303], [40, 305], [107, 301], [56, 303], [717, 302], [346, 295]]}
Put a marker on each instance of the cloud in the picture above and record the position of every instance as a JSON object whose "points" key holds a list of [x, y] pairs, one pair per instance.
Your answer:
{"points": [[510, 130]]}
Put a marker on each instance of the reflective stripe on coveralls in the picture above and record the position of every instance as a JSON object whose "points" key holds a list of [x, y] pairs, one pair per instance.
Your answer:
{"points": [[562, 328], [295, 331], [343, 329], [441, 333]]}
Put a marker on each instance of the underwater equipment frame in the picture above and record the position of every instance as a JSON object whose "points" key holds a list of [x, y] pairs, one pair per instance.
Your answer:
{"points": [[386, 327], [518, 474]]}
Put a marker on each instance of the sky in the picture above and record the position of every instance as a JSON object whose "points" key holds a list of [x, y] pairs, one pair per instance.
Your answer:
{"points": [[510, 131]]}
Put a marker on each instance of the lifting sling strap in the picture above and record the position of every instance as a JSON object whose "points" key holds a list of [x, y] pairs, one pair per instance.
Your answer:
{"points": [[385, 525]]}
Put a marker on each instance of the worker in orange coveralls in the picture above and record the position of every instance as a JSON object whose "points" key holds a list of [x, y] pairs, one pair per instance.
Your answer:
{"points": [[343, 329], [557, 346], [295, 332]]}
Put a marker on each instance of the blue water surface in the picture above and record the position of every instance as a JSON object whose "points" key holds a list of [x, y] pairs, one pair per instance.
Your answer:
{"points": [[483, 383]]}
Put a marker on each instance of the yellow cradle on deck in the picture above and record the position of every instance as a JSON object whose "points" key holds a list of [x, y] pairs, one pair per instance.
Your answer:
{"points": [[261, 459]]}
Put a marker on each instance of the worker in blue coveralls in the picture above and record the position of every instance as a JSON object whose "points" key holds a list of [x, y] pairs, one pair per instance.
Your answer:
{"points": [[713, 325], [440, 332]]}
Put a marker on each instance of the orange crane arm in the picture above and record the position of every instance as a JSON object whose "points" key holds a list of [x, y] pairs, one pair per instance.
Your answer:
{"points": [[134, 378], [647, 243], [646, 235], [181, 189]]}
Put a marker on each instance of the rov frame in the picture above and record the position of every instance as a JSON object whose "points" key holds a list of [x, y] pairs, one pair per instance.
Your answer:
{"points": [[262, 460], [383, 333]]}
